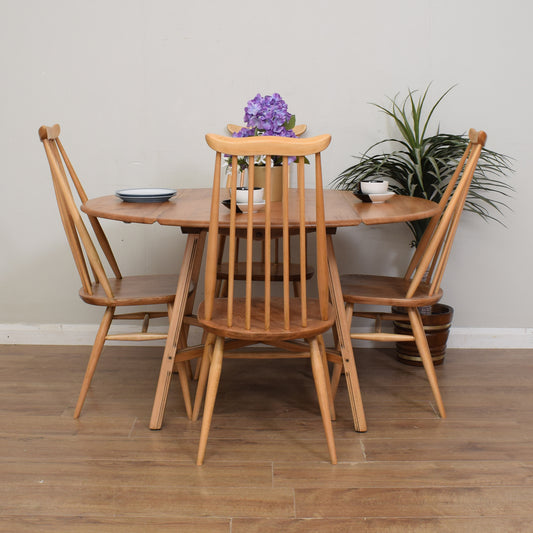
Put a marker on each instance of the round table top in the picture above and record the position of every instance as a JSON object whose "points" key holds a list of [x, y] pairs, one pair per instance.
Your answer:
{"points": [[190, 209]]}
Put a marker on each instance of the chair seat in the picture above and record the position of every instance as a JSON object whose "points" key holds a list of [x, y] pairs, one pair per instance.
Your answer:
{"points": [[258, 271], [134, 290], [385, 290], [218, 326]]}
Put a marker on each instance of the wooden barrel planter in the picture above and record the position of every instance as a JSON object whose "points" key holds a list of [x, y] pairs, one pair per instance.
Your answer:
{"points": [[437, 327]]}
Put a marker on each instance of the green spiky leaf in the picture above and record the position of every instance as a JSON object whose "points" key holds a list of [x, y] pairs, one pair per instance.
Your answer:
{"points": [[421, 165]]}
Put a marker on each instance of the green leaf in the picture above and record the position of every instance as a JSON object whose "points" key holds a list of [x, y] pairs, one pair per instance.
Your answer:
{"points": [[421, 165], [290, 123]]}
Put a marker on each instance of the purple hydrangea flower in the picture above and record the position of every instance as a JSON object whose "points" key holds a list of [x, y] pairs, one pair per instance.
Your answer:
{"points": [[267, 115], [245, 132]]}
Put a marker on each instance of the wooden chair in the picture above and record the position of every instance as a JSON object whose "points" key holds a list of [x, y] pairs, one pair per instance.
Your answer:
{"points": [[99, 289], [420, 286], [276, 269], [261, 317]]}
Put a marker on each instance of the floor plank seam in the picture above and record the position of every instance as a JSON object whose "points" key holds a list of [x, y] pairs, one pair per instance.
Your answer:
{"points": [[363, 450], [132, 427]]}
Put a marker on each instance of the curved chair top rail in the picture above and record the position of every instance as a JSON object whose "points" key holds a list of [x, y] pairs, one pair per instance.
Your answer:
{"points": [[263, 144]]}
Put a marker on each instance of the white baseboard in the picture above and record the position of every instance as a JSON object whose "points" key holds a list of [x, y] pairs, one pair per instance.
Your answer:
{"points": [[491, 338], [83, 334], [70, 334]]}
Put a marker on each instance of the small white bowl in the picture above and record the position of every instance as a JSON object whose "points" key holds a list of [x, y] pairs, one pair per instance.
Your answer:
{"points": [[242, 195], [374, 187], [257, 206], [379, 198]]}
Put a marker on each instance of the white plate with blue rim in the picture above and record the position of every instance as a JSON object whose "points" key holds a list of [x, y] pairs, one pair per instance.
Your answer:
{"points": [[146, 195]]}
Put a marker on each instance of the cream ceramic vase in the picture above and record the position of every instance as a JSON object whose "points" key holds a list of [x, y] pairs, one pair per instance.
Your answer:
{"points": [[276, 180]]}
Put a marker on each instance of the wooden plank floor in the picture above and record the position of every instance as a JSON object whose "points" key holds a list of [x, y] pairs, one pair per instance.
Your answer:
{"points": [[266, 467]]}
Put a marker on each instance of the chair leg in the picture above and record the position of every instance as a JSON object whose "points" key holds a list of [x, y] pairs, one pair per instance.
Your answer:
{"points": [[199, 363], [425, 355], [202, 376], [183, 368], [335, 379], [349, 313], [323, 398], [183, 374], [210, 397], [322, 347], [296, 287], [94, 357], [223, 289], [182, 343], [337, 367]]}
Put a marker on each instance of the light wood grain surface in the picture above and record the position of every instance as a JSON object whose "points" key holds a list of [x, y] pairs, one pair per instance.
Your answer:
{"points": [[191, 209], [411, 472]]}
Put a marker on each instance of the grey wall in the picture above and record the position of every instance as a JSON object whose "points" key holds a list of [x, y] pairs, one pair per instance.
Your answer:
{"points": [[135, 86]]}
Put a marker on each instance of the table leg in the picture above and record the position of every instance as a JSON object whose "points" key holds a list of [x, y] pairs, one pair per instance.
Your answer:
{"points": [[344, 340], [189, 271]]}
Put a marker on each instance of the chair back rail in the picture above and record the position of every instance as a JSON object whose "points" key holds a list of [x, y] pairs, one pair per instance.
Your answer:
{"points": [[275, 244], [286, 149], [97, 228], [81, 244], [432, 254]]}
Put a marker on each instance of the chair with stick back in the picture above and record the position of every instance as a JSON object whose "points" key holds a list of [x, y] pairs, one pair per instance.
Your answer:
{"points": [[421, 284], [97, 288], [258, 316], [276, 269]]}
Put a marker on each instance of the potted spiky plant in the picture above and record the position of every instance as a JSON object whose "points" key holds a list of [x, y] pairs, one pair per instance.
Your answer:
{"points": [[421, 164]]}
